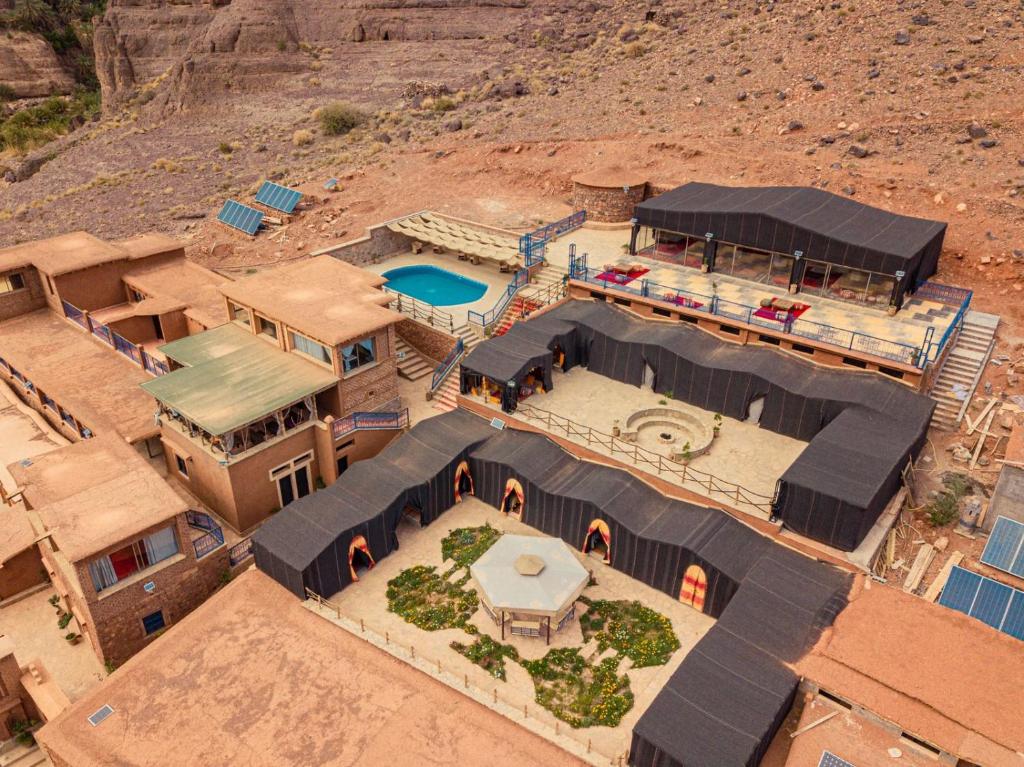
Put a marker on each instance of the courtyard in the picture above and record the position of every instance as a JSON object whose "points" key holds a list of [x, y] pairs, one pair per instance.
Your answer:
{"points": [[738, 453], [466, 642]]}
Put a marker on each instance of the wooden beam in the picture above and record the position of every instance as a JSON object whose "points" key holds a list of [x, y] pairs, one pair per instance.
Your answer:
{"points": [[981, 416], [936, 586], [981, 440], [812, 725], [924, 557]]}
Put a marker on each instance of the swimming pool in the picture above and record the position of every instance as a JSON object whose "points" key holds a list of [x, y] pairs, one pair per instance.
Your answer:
{"points": [[434, 285]]}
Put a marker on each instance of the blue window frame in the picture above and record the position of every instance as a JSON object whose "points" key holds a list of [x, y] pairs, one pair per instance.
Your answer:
{"points": [[153, 622]]}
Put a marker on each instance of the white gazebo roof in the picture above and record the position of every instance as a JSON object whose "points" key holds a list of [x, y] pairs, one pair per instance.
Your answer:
{"points": [[530, 574]]}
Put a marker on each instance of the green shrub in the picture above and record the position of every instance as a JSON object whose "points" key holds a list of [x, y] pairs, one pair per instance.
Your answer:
{"points": [[40, 124], [442, 104], [339, 118], [64, 620], [581, 694], [488, 654], [425, 599], [7, 93], [466, 545], [631, 629], [946, 507]]}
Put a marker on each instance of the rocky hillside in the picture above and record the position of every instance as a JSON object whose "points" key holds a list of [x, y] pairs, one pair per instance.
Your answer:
{"points": [[29, 68]]}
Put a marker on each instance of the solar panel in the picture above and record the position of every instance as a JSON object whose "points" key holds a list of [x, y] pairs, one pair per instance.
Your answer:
{"points": [[331, 183], [100, 714], [828, 759], [992, 602], [240, 217], [278, 197], [497, 423], [1005, 547]]}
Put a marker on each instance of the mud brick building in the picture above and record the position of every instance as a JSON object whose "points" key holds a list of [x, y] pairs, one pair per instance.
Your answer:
{"points": [[301, 382]]}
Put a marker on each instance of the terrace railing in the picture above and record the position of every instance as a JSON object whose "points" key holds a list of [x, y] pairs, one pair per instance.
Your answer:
{"points": [[487, 319], [240, 551], [74, 314], [450, 361], [135, 352], [896, 351], [647, 459], [946, 294], [214, 537], [533, 244], [369, 422], [422, 311]]}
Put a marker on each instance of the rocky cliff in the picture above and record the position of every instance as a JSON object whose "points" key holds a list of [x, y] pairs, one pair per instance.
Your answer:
{"points": [[236, 46], [30, 68]]}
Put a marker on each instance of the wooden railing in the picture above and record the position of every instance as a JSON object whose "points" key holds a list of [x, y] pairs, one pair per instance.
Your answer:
{"points": [[641, 457], [504, 702]]}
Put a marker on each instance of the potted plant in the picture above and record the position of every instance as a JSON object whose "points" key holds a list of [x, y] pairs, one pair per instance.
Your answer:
{"points": [[718, 424], [64, 620], [73, 638]]}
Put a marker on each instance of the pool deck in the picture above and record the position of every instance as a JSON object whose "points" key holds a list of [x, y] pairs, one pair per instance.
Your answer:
{"points": [[909, 326], [488, 274]]}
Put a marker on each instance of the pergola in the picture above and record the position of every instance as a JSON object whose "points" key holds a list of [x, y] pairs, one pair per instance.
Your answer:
{"points": [[528, 583]]}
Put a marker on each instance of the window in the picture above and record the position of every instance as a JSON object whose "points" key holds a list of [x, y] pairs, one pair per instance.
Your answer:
{"points": [[182, 465], [266, 327], [680, 249], [357, 355], [239, 314], [135, 296], [293, 479], [309, 347], [112, 568], [12, 282], [153, 622]]}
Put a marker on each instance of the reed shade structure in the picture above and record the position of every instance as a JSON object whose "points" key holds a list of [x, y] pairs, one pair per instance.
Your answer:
{"points": [[725, 702], [819, 225], [862, 429]]}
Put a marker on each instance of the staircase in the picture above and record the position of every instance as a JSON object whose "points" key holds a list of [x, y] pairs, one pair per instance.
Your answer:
{"points": [[410, 364], [22, 756], [547, 278], [963, 368], [444, 397]]}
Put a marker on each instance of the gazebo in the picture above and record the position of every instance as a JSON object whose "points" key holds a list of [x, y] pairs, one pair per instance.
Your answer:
{"points": [[529, 584]]}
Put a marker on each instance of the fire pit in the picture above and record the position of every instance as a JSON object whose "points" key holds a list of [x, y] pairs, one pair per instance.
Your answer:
{"points": [[681, 429], [666, 438]]}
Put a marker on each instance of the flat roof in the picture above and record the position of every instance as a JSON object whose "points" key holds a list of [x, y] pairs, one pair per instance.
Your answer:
{"points": [[327, 299], [267, 683], [187, 283], [93, 382], [64, 253], [228, 391], [942, 676], [149, 244], [95, 493], [16, 533]]}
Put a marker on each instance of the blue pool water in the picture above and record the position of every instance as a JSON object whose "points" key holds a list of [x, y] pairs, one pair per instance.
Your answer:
{"points": [[434, 285]]}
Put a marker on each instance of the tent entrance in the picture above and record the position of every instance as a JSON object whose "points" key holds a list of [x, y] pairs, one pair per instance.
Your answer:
{"points": [[513, 501], [359, 557], [558, 357], [463, 482], [599, 541], [413, 514], [754, 410], [694, 588], [648, 377], [533, 383]]}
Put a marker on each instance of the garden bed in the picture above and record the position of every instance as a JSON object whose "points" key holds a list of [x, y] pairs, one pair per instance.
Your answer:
{"points": [[488, 654], [631, 629], [466, 545], [427, 600], [579, 693]]}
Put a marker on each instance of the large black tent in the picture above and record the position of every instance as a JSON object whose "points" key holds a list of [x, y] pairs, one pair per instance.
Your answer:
{"points": [[307, 544], [862, 428], [815, 223]]}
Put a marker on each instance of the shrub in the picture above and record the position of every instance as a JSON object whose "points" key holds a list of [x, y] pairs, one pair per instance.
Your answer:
{"points": [[302, 137], [225, 148], [487, 654], [424, 598], [64, 620], [7, 93], [631, 629], [22, 731], [466, 545], [339, 118], [946, 507], [634, 50], [441, 104], [581, 694]]}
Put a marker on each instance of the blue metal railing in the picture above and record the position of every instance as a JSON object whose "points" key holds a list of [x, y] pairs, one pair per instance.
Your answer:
{"points": [[828, 334], [240, 551], [533, 244], [933, 291], [206, 544], [451, 360], [488, 318], [944, 294], [201, 520], [74, 314], [362, 421]]}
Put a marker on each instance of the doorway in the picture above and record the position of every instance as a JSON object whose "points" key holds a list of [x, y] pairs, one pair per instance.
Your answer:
{"points": [[648, 377], [359, 558], [599, 541], [157, 327], [463, 482], [754, 410], [293, 479], [694, 587], [513, 501]]}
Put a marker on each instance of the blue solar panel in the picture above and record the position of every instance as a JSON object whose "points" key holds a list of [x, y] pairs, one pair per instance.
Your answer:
{"points": [[994, 603], [331, 183], [828, 759], [1005, 547], [960, 590], [990, 604], [1013, 623], [278, 197], [240, 217]]}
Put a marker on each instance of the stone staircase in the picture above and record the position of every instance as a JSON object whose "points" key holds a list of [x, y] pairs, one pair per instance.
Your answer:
{"points": [[444, 397], [410, 364], [547, 278], [964, 365], [23, 756]]}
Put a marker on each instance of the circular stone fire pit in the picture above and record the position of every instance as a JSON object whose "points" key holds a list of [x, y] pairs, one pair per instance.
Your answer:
{"points": [[684, 430]]}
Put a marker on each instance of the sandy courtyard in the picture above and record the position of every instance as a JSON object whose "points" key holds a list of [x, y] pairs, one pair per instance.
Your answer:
{"points": [[742, 453], [367, 600]]}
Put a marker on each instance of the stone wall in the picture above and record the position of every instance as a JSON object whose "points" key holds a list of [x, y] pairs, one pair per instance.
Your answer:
{"points": [[23, 301], [15, 701], [21, 572], [378, 243], [431, 343], [607, 204]]}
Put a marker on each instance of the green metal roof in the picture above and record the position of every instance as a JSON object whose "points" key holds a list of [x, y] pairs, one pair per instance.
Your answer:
{"points": [[224, 392], [210, 344]]}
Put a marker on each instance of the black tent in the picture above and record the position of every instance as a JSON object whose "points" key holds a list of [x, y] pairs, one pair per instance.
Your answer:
{"points": [[862, 428], [307, 544], [820, 225]]}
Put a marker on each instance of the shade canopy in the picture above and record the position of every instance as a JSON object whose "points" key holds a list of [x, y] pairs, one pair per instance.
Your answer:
{"points": [[816, 224], [528, 573]]}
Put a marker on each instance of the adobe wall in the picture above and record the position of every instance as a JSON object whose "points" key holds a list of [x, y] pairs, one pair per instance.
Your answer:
{"points": [[15, 702], [255, 493], [207, 479], [20, 572], [356, 446], [100, 286], [134, 329], [432, 343], [607, 204], [174, 325], [23, 301], [373, 388]]}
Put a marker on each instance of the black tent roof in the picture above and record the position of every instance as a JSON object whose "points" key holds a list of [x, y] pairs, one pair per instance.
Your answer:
{"points": [[822, 225]]}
